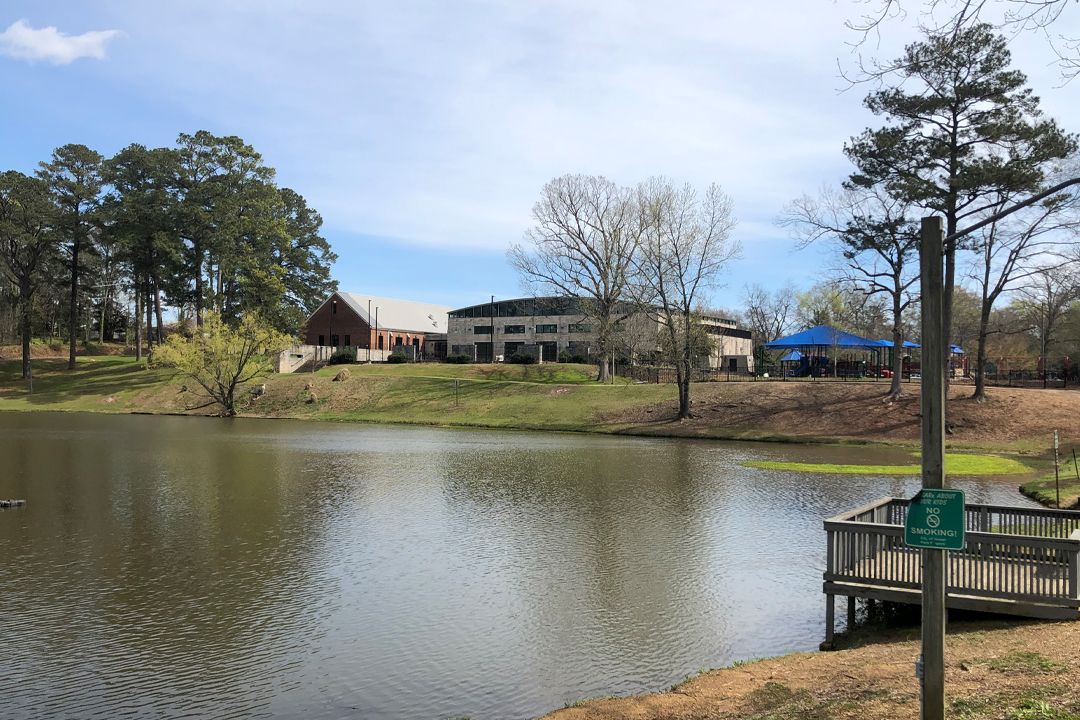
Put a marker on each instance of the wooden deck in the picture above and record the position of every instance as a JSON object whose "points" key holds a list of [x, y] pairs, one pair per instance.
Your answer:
{"points": [[1018, 561]]}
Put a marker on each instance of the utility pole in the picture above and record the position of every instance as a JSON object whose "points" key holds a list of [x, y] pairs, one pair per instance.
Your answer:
{"points": [[933, 463], [369, 331]]}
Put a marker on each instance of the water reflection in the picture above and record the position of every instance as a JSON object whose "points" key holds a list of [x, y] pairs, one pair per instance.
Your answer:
{"points": [[172, 566]]}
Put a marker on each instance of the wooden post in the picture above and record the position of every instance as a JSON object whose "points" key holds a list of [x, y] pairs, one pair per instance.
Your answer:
{"points": [[1074, 568], [933, 463], [830, 619]]}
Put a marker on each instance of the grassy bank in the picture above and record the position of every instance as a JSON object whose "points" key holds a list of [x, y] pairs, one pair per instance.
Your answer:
{"points": [[565, 397], [955, 464], [997, 670], [1044, 490]]}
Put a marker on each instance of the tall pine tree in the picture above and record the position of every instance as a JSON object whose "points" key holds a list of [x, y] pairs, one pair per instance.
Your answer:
{"points": [[963, 127]]}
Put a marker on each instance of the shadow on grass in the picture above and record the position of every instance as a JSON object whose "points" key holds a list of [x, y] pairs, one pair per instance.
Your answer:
{"points": [[53, 383]]}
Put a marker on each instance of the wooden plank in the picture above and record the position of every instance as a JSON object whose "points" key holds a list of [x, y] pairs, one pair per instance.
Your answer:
{"points": [[960, 602]]}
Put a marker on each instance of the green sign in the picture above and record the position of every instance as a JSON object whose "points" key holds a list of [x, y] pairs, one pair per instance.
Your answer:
{"points": [[935, 520]]}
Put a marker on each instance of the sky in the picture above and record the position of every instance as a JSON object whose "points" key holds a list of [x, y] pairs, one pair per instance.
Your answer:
{"points": [[423, 131]]}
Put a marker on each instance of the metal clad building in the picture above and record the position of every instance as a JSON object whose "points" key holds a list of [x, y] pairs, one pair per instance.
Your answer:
{"points": [[551, 327]]}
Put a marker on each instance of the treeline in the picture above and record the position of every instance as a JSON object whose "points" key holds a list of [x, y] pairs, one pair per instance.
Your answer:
{"points": [[94, 247], [1035, 334], [962, 137]]}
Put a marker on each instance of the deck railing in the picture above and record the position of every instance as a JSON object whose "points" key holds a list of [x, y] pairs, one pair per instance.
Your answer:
{"points": [[1010, 553]]}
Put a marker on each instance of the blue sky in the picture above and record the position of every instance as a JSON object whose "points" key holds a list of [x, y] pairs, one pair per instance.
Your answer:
{"points": [[423, 131]]}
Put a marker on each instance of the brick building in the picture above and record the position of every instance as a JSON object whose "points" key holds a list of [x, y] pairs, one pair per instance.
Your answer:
{"points": [[352, 320]]}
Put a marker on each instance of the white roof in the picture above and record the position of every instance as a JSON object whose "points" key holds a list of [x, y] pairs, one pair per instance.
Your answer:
{"points": [[398, 314]]}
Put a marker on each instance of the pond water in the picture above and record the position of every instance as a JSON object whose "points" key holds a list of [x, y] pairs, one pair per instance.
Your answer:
{"points": [[169, 566]]}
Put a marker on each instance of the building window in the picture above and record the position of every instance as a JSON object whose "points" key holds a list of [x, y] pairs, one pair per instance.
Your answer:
{"points": [[482, 329], [580, 328], [333, 340], [380, 342], [333, 307], [397, 341], [514, 329], [547, 329], [512, 348], [348, 341], [322, 340]]}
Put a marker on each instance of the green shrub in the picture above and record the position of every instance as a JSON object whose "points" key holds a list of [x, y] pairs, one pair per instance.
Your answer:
{"points": [[56, 345], [572, 358], [521, 359], [397, 359], [342, 357], [458, 359]]}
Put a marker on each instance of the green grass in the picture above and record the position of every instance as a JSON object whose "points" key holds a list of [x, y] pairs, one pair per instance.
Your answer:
{"points": [[487, 403], [1038, 703], [1026, 662], [1043, 488], [955, 464], [94, 380], [550, 373]]}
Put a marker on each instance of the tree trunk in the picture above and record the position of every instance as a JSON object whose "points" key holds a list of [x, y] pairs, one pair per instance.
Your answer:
{"points": [[24, 301], [684, 389], [150, 339], [157, 310], [980, 357], [895, 386], [1045, 363], [101, 326], [137, 321], [228, 404], [198, 251], [73, 308], [221, 292]]}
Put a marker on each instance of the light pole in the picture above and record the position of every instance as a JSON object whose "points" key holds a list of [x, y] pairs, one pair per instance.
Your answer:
{"points": [[377, 327], [369, 331]]}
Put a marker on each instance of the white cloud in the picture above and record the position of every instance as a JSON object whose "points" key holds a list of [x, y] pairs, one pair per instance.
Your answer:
{"points": [[23, 42]]}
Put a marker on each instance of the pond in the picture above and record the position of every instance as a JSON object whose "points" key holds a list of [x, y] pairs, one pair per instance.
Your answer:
{"points": [[171, 566]]}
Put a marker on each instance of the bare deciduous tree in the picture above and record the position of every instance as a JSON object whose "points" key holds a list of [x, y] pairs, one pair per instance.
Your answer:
{"points": [[1045, 301], [951, 16], [581, 245], [769, 315], [1011, 251], [684, 244], [879, 244]]}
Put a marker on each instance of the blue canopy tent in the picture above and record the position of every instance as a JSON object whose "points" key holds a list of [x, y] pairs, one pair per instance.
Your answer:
{"points": [[823, 336], [814, 346]]}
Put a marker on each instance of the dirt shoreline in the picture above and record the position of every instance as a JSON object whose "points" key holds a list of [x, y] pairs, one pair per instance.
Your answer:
{"points": [[995, 669]]}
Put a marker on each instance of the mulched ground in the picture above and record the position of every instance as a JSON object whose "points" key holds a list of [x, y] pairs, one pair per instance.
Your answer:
{"points": [[856, 411]]}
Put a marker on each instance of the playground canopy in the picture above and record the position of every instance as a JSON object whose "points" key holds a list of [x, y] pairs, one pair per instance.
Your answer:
{"points": [[823, 336]]}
